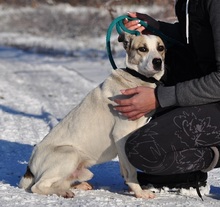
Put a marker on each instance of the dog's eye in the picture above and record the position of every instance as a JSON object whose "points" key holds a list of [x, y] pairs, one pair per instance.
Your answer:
{"points": [[160, 48], [143, 49]]}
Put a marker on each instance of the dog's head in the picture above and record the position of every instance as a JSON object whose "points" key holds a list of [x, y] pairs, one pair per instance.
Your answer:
{"points": [[145, 54]]}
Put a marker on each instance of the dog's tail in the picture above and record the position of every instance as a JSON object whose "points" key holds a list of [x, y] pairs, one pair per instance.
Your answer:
{"points": [[27, 180]]}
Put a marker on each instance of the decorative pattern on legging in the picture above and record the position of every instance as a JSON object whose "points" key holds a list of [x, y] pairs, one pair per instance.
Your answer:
{"points": [[176, 142]]}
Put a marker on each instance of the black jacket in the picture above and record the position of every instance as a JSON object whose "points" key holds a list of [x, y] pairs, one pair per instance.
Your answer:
{"points": [[204, 43]]}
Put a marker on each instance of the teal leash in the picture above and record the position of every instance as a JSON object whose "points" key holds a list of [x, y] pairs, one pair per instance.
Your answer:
{"points": [[118, 23]]}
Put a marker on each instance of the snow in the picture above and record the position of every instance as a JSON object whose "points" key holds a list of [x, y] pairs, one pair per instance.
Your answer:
{"points": [[37, 88]]}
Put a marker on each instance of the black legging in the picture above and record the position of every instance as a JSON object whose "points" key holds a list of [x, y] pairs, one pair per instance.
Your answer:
{"points": [[178, 141]]}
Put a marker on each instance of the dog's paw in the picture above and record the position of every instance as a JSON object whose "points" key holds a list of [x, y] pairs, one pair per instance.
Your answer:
{"points": [[146, 194], [82, 186], [67, 194]]}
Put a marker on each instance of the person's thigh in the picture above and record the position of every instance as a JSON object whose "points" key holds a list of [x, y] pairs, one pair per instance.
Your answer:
{"points": [[176, 141]]}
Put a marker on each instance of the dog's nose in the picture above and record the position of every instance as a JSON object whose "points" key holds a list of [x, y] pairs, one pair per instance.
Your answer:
{"points": [[157, 62]]}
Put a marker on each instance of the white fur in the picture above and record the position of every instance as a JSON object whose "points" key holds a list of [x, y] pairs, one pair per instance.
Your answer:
{"points": [[90, 134]]}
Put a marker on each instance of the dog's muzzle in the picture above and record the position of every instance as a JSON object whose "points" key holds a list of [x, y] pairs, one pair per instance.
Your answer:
{"points": [[157, 63]]}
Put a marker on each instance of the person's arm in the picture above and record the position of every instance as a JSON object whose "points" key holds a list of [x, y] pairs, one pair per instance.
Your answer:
{"points": [[169, 29], [205, 89], [194, 92]]}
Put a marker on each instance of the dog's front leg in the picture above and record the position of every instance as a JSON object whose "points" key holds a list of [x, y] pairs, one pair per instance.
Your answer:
{"points": [[130, 174], [139, 192]]}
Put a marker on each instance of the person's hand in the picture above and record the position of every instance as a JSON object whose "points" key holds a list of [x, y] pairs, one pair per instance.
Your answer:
{"points": [[135, 24], [143, 101]]}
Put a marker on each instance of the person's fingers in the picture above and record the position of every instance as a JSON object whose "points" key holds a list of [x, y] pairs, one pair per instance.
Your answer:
{"points": [[123, 102], [125, 21], [136, 27], [132, 23], [124, 109], [140, 29], [131, 91], [132, 14], [133, 115], [138, 15]]}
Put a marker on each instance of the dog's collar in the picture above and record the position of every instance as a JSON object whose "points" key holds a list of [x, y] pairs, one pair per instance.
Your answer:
{"points": [[142, 77]]}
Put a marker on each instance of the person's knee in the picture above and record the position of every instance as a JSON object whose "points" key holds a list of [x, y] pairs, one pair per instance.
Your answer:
{"points": [[141, 157]]}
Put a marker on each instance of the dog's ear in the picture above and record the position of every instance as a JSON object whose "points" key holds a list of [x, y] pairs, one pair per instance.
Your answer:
{"points": [[121, 37], [126, 39]]}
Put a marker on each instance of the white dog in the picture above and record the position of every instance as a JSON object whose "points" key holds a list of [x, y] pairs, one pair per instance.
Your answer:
{"points": [[93, 132]]}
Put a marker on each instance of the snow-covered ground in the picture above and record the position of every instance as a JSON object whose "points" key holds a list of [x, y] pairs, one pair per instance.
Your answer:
{"points": [[35, 86]]}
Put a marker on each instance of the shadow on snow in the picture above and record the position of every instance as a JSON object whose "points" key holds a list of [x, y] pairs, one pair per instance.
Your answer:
{"points": [[15, 156]]}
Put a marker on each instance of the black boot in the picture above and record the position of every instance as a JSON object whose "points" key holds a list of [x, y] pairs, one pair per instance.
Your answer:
{"points": [[218, 162], [186, 180]]}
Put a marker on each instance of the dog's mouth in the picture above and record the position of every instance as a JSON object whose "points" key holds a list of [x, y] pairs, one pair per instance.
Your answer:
{"points": [[148, 67], [156, 65], [150, 72]]}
